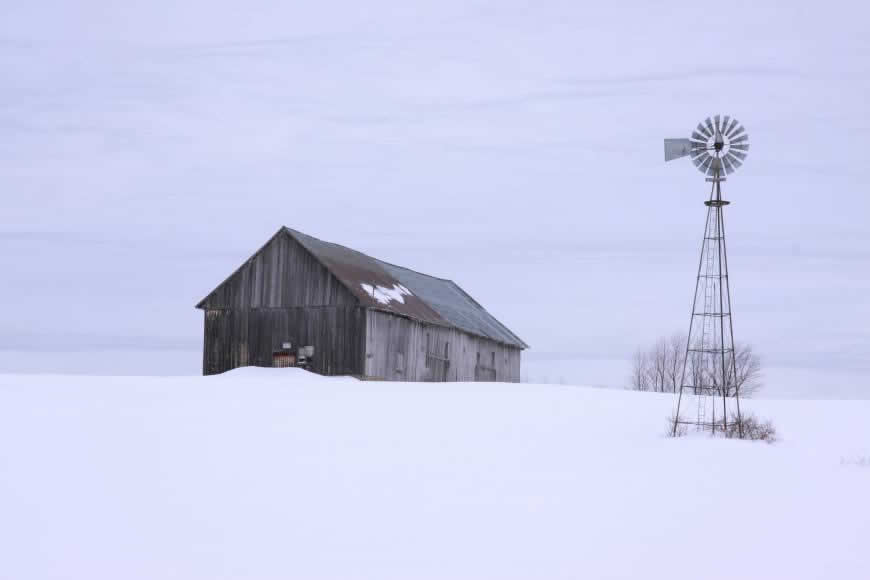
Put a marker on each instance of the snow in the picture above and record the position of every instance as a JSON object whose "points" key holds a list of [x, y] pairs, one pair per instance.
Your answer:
{"points": [[384, 294], [268, 473]]}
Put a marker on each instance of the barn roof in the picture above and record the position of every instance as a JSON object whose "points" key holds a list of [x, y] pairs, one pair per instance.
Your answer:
{"points": [[366, 279], [392, 288]]}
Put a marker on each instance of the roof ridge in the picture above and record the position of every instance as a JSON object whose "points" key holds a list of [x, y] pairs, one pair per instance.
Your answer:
{"points": [[414, 271], [374, 258]]}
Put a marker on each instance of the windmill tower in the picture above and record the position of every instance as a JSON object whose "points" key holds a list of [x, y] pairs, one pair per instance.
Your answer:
{"points": [[709, 397]]}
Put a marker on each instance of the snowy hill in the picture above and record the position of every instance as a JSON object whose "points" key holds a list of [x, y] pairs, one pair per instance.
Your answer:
{"points": [[283, 474]]}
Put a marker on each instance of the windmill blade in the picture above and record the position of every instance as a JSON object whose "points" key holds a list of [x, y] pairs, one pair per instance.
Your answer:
{"points": [[700, 160], [676, 148], [716, 124], [709, 123], [703, 130], [739, 130], [739, 146], [698, 150], [706, 164], [741, 139], [734, 161], [727, 163], [725, 120], [733, 126], [736, 153], [698, 137]]}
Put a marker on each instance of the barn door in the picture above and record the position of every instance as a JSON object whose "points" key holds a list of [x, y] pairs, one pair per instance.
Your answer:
{"points": [[485, 370], [400, 366], [437, 361]]}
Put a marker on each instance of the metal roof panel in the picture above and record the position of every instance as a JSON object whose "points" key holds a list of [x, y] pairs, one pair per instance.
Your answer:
{"points": [[393, 288]]}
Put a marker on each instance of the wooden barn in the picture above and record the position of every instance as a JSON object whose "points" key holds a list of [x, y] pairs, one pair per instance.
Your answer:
{"points": [[300, 300]]}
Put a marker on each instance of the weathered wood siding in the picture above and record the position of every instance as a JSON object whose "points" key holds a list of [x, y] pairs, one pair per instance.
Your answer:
{"points": [[396, 350], [243, 337], [281, 274], [283, 294]]}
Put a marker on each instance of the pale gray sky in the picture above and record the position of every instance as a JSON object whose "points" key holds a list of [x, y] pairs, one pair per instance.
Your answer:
{"points": [[146, 150]]}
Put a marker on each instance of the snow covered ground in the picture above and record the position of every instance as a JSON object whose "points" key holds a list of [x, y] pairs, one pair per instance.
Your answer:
{"points": [[282, 474]]}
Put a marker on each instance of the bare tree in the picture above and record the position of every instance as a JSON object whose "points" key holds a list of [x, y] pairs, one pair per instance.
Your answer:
{"points": [[660, 369], [676, 350], [639, 375], [748, 370]]}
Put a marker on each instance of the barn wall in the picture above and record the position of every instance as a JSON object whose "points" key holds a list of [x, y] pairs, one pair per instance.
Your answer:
{"points": [[281, 274], [396, 350], [243, 337]]}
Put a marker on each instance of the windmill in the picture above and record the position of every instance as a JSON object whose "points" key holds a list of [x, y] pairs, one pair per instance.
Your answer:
{"points": [[717, 147]]}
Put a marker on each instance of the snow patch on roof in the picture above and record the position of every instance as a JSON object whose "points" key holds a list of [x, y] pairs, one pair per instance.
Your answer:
{"points": [[385, 295]]}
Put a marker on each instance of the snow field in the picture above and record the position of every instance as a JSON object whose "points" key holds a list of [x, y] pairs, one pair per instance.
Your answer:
{"points": [[263, 473]]}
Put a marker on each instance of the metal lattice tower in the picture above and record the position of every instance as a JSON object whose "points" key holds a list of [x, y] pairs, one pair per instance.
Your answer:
{"points": [[709, 397]]}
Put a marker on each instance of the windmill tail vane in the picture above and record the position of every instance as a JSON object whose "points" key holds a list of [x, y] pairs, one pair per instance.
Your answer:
{"points": [[717, 146]]}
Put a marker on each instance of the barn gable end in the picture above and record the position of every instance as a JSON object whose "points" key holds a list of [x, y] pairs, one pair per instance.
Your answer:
{"points": [[282, 294], [283, 273]]}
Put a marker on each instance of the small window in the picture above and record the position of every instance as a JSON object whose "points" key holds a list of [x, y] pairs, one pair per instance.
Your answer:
{"points": [[493, 359], [478, 359], [446, 350]]}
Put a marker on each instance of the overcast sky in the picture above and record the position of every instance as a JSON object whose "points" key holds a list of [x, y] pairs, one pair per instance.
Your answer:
{"points": [[146, 149]]}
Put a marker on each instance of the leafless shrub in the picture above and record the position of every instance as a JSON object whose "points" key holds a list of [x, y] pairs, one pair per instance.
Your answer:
{"points": [[750, 427], [747, 427]]}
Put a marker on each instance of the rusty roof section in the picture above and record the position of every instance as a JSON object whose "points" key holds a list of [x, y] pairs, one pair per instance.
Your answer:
{"points": [[367, 280], [405, 292]]}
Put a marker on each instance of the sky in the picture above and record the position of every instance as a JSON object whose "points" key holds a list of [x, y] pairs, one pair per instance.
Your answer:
{"points": [[514, 147]]}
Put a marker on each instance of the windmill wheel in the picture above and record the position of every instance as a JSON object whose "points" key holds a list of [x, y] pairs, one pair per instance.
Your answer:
{"points": [[719, 144]]}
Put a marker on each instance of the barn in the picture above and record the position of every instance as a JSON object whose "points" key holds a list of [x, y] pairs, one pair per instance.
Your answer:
{"points": [[301, 300]]}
